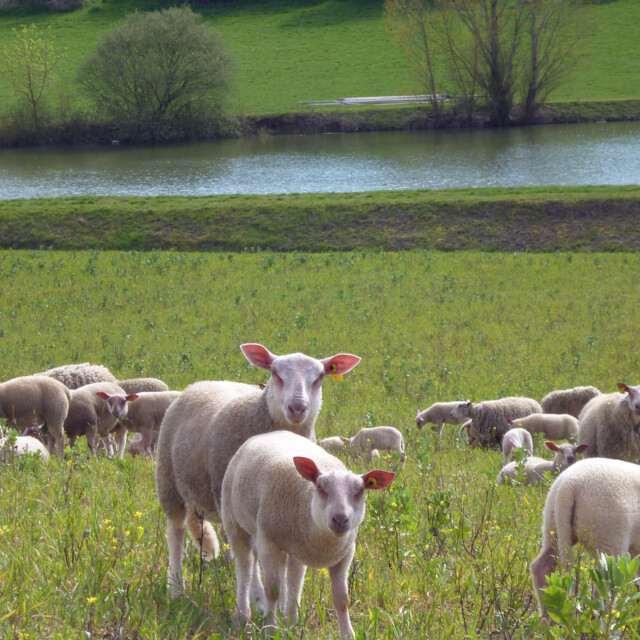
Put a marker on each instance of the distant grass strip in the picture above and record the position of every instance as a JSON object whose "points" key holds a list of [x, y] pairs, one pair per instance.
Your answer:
{"points": [[534, 219]]}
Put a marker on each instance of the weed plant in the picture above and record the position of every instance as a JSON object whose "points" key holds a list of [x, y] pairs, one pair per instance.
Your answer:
{"points": [[444, 552]]}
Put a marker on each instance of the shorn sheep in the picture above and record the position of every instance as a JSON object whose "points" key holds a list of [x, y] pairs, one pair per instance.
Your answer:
{"points": [[439, 413], [75, 376], [534, 469], [610, 425], [35, 401], [595, 502], [207, 424], [293, 505], [367, 440], [568, 401], [555, 426], [515, 439], [491, 417]]}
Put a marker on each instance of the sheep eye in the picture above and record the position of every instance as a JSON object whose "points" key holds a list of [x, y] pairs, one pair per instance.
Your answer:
{"points": [[359, 494], [279, 380], [322, 493]]}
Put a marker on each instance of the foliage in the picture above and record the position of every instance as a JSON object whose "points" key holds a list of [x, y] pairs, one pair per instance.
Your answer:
{"points": [[160, 75]]}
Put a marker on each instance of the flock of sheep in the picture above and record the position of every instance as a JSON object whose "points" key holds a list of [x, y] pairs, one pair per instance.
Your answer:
{"points": [[245, 456]]}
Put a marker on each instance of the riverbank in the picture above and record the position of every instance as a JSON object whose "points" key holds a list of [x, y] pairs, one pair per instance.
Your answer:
{"points": [[517, 219]]}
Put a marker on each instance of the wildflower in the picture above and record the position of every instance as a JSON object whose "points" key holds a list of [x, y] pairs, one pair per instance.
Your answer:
{"points": [[138, 514], [92, 600]]}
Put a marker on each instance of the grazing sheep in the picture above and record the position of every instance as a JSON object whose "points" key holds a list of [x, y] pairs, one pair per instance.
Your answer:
{"points": [[366, 441], [335, 444], [555, 426], [439, 414], [22, 445], [145, 413], [94, 410], [595, 502], [35, 401], [75, 376], [535, 468], [206, 425], [138, 385], [515, 439], [293, 505], [490, 418], [568, 401], [473, 437], [610, 425]]}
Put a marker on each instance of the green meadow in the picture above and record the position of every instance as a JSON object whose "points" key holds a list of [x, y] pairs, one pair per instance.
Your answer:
{"points": [[443, 552]]}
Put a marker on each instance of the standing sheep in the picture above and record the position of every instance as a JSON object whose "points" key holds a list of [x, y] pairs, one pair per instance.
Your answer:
{"points": [[335, 444], [139, 385], [595, 502], [534, 468], [555, 426], [515, 439], [293, 505], [610, 424], [372, 438], [439, 414], [207, 424], [491, 417], [34, 401], [568, 401], [75, 376]]}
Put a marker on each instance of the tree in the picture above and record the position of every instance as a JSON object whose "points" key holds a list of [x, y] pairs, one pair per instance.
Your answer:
{"points": [[158, 73], [29, 65]]}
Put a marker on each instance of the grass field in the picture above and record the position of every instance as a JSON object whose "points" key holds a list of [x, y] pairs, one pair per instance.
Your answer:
{"points": [[442, 553], [311, 49]]}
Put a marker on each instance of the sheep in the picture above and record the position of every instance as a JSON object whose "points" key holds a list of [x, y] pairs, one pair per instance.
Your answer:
{"points": [[568, 401], [138, 385], [292, 504], [473, 437], [490, 418], [33, 401], [75, 376], [22, 445], [206, 425], [368, 440], [515, 439], [534, 468], [145, 413], [610, 425], [555, 426], [594, 502], [335, 444], [94, 410], [439, 414]]}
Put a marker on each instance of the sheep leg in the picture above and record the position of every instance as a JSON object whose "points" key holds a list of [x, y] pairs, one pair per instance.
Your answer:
{"points": [[91, 440], [542, 567], [245, 561], [203, 534], [147, 443], [273, 563], [121, 440], [440, 424], [257, 593], [295, 581], [340, 592], [175, 542]]}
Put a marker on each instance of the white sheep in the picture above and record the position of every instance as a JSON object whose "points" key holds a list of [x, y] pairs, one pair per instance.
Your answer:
{"points": [[144, 415], [568, 401], [595, 502], [515, 439], [610, 425], [335, 444], [75, 376], [292, 504], [555, 426], [439, 413], [35, 401], [23, 445], [94, 410], [367, 440], [139, 385], [490, 418], [534, 468], [206, 425]]}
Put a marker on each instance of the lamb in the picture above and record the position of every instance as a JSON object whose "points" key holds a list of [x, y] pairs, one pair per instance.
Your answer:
{"points": [[535, 468], [94, 410], [33, 401], [22, 445], [490, 418], [206, 425], [515, 439], [292, 504], [569, 401], [75, 376], [610, 425], [145, 413], [555, 426], [372, 438], [138, 385], [335, 444], [439, 414], [595, 502]]}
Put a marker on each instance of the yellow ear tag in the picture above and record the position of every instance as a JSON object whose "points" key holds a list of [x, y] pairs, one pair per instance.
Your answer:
{"points": [[335, 376], [372, 482], [338, 377]]}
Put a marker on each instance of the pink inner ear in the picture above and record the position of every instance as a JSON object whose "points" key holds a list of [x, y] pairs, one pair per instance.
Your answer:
{"points": [[103, 395], [258, 355], [132, 396], [377, 479], [551, 445], [306, 468], [340, 363]]}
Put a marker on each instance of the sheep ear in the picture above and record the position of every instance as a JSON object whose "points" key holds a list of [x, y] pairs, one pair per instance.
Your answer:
{"points": [[103, 395], [307, 468], [132, 396], [339, 364], [581, 447], [345, 440], [551, 445], [623, 387], [377, 479], [258, 355]]}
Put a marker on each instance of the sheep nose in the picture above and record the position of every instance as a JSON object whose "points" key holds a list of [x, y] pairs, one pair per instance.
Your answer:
{"points": [[340, 522], [297, 409]]}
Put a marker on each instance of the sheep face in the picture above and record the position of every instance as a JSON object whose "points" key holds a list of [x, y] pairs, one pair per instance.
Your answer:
{"points": [[117, 403], [633, 397], [566, 454], [461, 410]]}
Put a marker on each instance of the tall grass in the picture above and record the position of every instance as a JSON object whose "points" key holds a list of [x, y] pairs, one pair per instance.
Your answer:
{"points": [[443, 552]]}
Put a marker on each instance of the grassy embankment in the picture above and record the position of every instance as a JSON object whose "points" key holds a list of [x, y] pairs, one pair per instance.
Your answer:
{"points": [[442, 553]]}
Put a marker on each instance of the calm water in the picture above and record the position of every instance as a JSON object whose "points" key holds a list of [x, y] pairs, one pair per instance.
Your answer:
{"points": [[593, 154]]}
